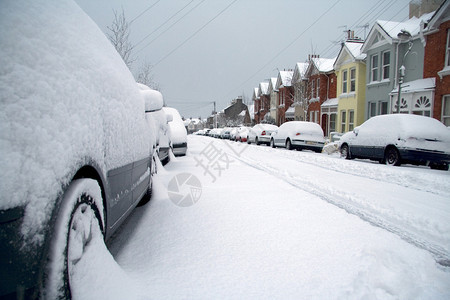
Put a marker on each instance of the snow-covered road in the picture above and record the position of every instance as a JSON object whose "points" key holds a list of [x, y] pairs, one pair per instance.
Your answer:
{"points": [[277, 224]]}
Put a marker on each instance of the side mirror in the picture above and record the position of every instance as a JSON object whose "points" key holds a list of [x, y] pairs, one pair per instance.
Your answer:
{"points": [[153, 100], [356, 131], [169, 117]]}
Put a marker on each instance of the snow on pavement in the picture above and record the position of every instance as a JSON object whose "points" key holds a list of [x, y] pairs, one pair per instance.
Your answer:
{"points": [[253, 234]]}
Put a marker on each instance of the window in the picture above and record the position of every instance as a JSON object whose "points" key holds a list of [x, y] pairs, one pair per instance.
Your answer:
{"points": [[312, 88], [333, 122], [343, 117], [447, 52], [351, 120], [311, 116], [344, 81], [386, 64], [352, 80], [374, 68], [318, 88], [446, 110], [372, 109], [316, 116], [383, 108]]}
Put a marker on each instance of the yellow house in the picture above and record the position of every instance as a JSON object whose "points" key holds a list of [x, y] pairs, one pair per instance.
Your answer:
{"points": [[350, 68]]}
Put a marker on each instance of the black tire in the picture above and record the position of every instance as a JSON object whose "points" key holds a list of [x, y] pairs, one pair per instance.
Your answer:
{"points": [[272, 143], [79, 207], [345, 151], [392, 157], [148, 195], [288, 144], [442, 166]]}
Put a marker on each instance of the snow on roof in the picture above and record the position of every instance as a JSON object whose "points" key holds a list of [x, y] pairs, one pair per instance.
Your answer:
{"points": [[251, 110], [242, 113], [355, 49], [417, 85], [272, 84], [263, 88], [330, 102], [255, 92], [302, 67], [284, 78], [324, 64], [412, 25]]}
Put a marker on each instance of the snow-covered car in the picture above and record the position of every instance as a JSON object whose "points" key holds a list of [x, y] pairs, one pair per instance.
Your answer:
{"points": [[178, 133], [260, 133], [399, 138], [215, 132], [242, 134], [233, 133], [298, 135], [158, 122], [225, 133], [74, 143]]}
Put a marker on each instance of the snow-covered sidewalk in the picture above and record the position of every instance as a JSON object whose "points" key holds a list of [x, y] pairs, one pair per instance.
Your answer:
{"points": [[276, 224]]}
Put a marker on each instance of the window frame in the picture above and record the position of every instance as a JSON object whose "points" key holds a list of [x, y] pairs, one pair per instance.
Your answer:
{"points": [[318, 87], [374, 69], [445, 118], [352, 80], [344, 81], [351, 119], [385, 66], [447, 50], [343, 120]]}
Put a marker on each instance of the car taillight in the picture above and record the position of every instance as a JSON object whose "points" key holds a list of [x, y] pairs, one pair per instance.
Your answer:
{"points": [[263, 133], [298, 133]]}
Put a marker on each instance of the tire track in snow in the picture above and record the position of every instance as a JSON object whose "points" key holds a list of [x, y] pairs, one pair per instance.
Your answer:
{"points": [[342, 200]]}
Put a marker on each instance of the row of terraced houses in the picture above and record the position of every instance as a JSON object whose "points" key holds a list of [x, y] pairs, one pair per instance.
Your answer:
{"points": [[363, 80]]}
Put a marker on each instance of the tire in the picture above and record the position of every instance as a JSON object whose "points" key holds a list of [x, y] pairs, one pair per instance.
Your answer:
{"points": [[436, 166], [81, 214], [288, 144], [345, 151], [272, 143], [257, 142], [392, 157]]}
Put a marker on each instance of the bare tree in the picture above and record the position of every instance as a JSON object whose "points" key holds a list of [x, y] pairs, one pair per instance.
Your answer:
{"points": [[145, 76], [119, 36]]}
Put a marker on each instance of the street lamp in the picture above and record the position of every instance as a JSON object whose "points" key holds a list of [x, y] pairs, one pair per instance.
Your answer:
{"points": [[403, 35]]}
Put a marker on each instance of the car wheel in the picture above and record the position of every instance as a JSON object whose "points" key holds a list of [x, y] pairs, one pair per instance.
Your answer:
{"points": [[256, 141], [78, 224], [272, 143], [436, 166], [392, 157], [288, 144], [345, 151]]}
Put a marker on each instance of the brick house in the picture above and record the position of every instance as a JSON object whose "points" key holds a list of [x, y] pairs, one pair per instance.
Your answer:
{"points": [[285, 95], [273, 94], [299, 83], [264, 100], [437, 61], [256, 105], [321, 86]]}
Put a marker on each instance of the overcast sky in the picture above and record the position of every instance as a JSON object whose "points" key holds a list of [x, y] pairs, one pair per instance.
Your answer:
{"points": [[216, 50]]}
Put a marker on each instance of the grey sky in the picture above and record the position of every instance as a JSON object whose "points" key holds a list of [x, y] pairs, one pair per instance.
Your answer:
{"points": [[243, 46]]}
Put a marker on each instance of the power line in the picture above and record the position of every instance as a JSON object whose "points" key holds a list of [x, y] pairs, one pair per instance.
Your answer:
{"points": [[143, 12], [167, 29], [163, 23], [290, 44], [195, 33]]}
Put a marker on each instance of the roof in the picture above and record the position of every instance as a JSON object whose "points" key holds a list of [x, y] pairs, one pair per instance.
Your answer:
{"points": [[323, 64], [441, 15], [330, 102], [412, 25], [352, 48], [263, 88], [417, 85], [355, 49], [272, 84], [284, 78]]}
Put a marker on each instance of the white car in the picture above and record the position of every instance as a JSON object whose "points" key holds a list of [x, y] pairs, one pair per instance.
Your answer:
{"points": [[298, 135], [178, 133], [158, 122], [242, 134], [261, 133], [399, 138], [74, 141]]}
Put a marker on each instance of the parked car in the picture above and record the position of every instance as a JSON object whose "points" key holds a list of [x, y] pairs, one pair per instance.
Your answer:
{"points": [[233, 133], [215, 132], [399, 138], [298, 135], [225, 133], [178, 133], [260, 133], [242, 134], [158, 122], [74, 141]]}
